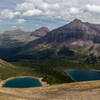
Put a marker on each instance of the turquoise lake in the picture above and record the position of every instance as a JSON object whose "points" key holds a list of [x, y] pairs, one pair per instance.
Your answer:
{"points": [[22, 83], [83, 75]]}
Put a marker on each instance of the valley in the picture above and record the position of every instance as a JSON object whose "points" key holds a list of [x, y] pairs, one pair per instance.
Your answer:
{"points": [[49, 49], [71, 46], [74, 46]]}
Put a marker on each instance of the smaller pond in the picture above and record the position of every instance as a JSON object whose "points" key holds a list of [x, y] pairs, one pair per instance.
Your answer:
{"points": [[83, 75], [22, 83]]}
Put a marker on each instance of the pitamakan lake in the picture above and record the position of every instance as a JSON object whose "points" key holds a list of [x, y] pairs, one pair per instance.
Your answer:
{"points": [[22, 83], [83, 75]]}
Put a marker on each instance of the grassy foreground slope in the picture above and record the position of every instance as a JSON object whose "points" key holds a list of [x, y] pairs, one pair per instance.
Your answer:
{"points": [[49, 74], [72, 91], [8, 70], [53, 70]]}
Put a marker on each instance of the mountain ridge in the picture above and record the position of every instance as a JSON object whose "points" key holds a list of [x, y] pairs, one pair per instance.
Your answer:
{"points": [[68, 29], [77, 37], [19, 37]]}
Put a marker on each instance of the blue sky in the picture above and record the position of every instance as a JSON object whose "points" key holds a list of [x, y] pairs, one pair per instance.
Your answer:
{"points": [[32, 14]]}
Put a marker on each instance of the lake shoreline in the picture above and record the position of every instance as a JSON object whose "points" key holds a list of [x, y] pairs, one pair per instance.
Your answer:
{"points": [[94, 70], [70, 76], [70, 69], [44, 84], [84, 75]]}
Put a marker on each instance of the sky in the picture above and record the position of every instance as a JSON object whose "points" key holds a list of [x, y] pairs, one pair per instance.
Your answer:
{"points": [[29, 15]]}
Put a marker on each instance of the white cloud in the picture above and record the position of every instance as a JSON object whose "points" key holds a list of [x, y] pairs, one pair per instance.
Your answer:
{"points": [[20, 21], [49, 13], [47, 6], [68, 9], [93, 8], [0, 20], [33, 12], [74, 10], [37, 5], [55, 8], [25, 6], [43, 4], [86, 10], [9, 13]]}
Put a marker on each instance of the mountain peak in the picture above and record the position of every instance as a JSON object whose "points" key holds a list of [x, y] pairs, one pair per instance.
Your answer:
{"points": [[44, 28], [76, 24], [41, 32], [77, 20]]}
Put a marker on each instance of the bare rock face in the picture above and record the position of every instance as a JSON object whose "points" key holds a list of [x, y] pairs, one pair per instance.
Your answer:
{"points": [[74, 31], [76, 35], [40, 32]]}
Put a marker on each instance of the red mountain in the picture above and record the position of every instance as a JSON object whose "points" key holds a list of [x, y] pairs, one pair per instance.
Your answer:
{"points": [[40, 32]]}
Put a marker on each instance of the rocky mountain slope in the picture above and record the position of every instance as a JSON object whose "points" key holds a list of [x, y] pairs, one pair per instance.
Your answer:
{"points": [[70, 33], [40, 32], [73, 91], [77, 36]]}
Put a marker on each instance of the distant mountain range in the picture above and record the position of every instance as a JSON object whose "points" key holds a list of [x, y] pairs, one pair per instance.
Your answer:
{"points": [[18, 37], [76, 37]]}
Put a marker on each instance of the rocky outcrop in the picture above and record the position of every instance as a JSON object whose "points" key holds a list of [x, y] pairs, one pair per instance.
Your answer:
{"points": [[40, 32]]}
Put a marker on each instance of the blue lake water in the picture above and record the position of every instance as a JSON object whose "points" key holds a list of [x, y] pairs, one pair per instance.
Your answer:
{"points": [[82, 75], [22, 83]]}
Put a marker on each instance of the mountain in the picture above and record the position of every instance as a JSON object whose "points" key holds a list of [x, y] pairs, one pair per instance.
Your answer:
{"points": [[76, 30], [15, 38], [18, 37], [40, 32], [94, 26], [77, 37]]}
